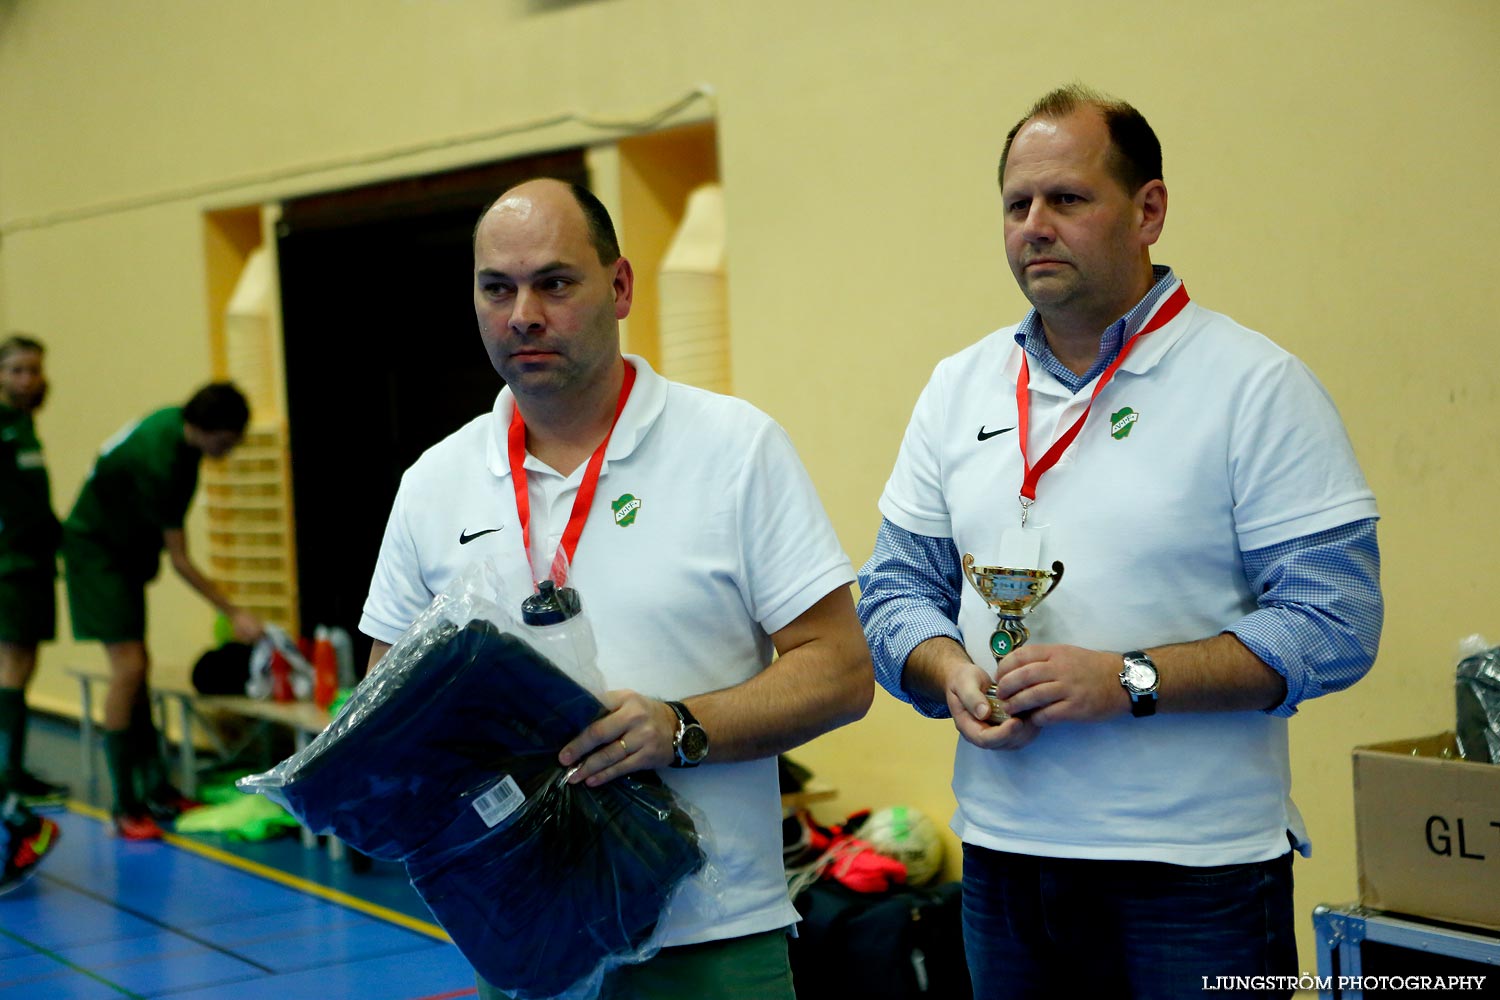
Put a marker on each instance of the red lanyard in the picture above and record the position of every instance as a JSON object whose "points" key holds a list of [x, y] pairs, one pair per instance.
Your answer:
{"points": [[516, 440], [1034, 473]]}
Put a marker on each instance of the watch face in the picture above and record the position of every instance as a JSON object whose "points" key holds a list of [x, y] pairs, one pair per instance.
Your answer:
{"points": [[694, 745], [1139, 676]]}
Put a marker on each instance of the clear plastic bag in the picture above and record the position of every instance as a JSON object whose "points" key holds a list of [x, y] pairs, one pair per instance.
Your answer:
{"points": [[1477, 692], [276, 640], [445, 758]]}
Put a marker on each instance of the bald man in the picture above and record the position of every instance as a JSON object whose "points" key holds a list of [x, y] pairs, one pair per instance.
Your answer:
{"points": [[717, 590]]}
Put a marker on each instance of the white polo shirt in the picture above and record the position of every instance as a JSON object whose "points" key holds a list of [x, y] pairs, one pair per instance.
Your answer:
{"points": [[705, 537], [1210, 441]]}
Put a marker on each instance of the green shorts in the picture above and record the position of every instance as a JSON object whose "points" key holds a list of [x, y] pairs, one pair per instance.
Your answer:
{"points": [[28, 608], [754, 967], [105, 604]]}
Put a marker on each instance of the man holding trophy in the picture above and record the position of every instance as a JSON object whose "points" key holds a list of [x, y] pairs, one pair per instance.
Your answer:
{"points": [[1123, 776]]}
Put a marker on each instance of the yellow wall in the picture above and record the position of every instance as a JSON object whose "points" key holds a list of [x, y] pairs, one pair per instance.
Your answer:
{"points": [[1330, 165]]}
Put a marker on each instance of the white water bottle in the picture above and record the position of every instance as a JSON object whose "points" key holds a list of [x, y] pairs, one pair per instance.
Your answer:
{"points": [[554, 623]]}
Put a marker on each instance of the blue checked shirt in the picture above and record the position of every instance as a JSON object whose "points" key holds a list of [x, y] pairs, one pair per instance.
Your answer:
{"points": [[1319, 608]]}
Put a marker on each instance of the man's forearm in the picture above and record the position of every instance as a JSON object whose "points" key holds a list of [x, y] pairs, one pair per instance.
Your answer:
{"points": [[194, 578], [1057, 683], [821, 680], [1215, 675], [930, 666], [909, 596]]}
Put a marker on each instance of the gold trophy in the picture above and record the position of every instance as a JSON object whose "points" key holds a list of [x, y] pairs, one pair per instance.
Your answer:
{"points": [[1013, 593]]}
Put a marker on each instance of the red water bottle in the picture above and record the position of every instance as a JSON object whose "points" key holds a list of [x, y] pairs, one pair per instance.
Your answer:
{"points": [[281, 678], [325, 661]]}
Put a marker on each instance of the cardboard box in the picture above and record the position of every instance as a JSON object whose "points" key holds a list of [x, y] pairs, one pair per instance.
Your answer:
{"points": [[1427, 824]]}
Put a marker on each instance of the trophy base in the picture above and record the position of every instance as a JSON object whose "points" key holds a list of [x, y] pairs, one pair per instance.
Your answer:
{"points": [[997, 714]]}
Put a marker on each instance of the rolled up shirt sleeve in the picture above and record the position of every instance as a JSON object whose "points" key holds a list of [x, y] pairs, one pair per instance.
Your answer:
{"points": [[1320, 610], [909, 593]]}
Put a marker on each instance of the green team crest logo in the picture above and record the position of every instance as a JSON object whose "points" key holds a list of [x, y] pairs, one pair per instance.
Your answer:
{"points": [[625, 509], [1121, 422]]}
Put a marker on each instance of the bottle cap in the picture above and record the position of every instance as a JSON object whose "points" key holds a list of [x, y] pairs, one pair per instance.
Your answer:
{"points": [[550, 605]]}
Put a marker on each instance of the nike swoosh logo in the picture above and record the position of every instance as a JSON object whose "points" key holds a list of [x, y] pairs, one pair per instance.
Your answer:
{"points": [[465, 538], [985, 435]]}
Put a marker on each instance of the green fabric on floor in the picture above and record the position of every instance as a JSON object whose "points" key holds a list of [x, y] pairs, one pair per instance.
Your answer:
{"points": [[252, 817], [217, 787], [338, 701]]}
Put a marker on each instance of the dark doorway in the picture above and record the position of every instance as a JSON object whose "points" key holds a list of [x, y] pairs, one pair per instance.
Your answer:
{"points": [[382, 357]]}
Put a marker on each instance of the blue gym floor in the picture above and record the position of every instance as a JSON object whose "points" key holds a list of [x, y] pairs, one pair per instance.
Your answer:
{"points": [[202, 917]]}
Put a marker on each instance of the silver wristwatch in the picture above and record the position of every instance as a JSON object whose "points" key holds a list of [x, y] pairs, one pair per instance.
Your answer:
{"points": [[1140, 681]]}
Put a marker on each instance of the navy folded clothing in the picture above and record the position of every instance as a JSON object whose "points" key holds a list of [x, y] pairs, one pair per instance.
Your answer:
{"points": [[536, 894], [476, 704], [580, 876]]}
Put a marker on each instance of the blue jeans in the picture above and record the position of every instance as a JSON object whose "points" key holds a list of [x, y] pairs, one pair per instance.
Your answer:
{"points": [[1047, 927]]}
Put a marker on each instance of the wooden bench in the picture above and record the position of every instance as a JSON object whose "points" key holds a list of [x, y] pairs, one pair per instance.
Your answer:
{"points": [[193, 711]]}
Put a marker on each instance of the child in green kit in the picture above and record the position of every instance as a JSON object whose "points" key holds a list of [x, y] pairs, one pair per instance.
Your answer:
{"points": [[132, 507]]}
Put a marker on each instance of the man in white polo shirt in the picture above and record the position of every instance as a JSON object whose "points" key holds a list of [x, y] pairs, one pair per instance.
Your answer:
{"points": [[697, 544], [1124, 805]]}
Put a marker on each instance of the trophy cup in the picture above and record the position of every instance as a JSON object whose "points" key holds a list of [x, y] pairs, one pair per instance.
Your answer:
{"points": [[1013, 593]]}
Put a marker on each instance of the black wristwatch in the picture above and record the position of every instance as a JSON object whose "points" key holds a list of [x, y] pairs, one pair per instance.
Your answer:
{"points": [[1140, 681], [690, 744]]}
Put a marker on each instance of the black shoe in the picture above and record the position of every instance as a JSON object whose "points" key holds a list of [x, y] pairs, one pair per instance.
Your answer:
{"points": [[166, 803], [33, 790]]}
